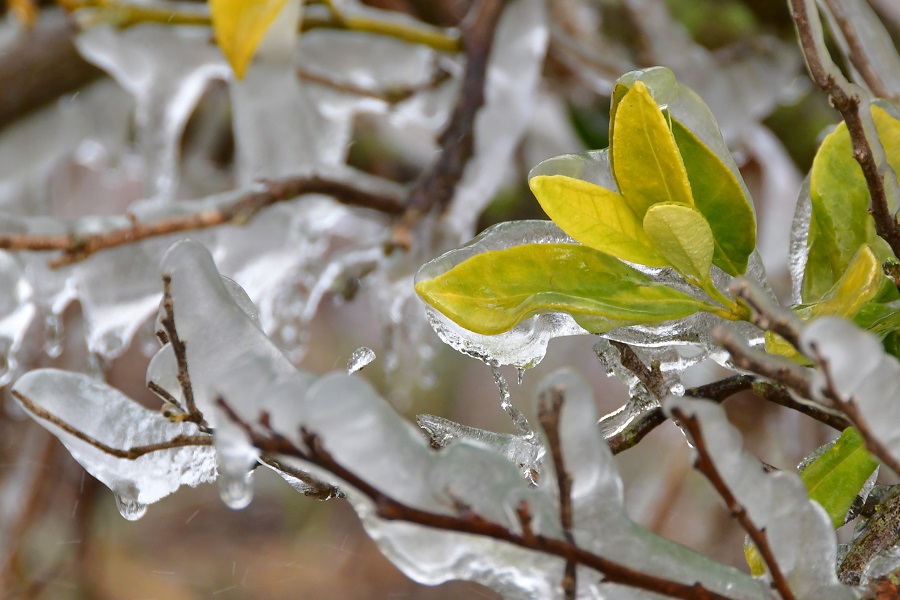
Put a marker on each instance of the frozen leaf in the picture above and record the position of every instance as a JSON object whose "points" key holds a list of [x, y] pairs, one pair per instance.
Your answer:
{"points": [[839, 222], [834, 479], [645, 159], [799, 532], [240, 26], [683, 237], [493, 291], [109, 417], [595, 216]]}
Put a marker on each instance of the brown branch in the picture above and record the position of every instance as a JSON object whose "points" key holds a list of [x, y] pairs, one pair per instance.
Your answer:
{"points": [[76, 247], [766, 314], [834, 84], [550, 408], [776, 368], [878, 536], [436, 187], [180, 349], [468, 522], [705, 465], [651, 377], [855, 52], [850, 407], [179, 441], [318, 490]]}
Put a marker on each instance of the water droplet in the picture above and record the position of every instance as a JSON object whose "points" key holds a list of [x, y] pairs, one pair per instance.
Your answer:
{"points": [[359, 359], [129, 507], [54, 335], [236, 489], [520, 375]]}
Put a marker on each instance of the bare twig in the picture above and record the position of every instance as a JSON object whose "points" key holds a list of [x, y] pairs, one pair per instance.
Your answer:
{"points": [[436, 187], [180, 349], [777, 394], [317, 489], [766, 314], [179, 441], [550, 408], [78, 246], [651, 377], [878, 536], [776, 368], [705, 465], [386, 507], [849, 407], [867, 148], [855, 52]]}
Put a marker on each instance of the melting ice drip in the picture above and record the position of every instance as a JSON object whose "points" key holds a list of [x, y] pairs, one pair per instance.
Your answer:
{"points": [[360, 358]]}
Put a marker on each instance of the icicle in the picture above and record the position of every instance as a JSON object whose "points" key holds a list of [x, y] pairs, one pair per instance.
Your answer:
{"points": [[235, 488], [360, 358], [54, 335], [518, 419], [128, 505]]}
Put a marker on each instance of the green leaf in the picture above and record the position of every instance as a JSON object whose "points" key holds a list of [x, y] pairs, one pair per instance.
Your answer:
{"points": [[683, 237], [646, 162], [720, 198], [491, 292], [596, 217], [835, 478], [239, 27], [840, 222]]}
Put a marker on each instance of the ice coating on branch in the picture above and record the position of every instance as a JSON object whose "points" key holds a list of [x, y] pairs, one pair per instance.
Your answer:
{"points": [[17, 311], [111, 418], [227, 354], [799, 531], [860, 370], [601, 524], [166, 69], [799, 253], [360, 358], [511, 89]]}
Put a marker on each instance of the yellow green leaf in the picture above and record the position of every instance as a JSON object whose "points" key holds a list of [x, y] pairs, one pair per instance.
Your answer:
{"points": [[840, 221], [240, 25], [596, 217], [835, 478], [646, 162], [720, 197], [493, 291], [683, 237], [754, 559]]}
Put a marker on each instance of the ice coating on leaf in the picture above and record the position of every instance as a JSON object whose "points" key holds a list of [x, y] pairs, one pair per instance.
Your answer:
{"points": [[166, 69], [799, 252], [525, 344], [860, 370], [110, 417], [511, 89], [601, 524], [17, 311], [799, 531], [360, 358]]}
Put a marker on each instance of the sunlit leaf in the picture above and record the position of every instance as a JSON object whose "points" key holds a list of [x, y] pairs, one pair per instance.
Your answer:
{"points": [[720, 198], [596, 217], [840, 222], [240, 25], [491, 292], [646, 162], [683, 237], [835, 478]]}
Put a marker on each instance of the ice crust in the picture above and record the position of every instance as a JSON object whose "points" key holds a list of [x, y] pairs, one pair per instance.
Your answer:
{"points": [[110, 417], [799, 531]]}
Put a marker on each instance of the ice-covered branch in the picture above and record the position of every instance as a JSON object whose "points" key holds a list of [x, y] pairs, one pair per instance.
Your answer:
{"points": [[651, 376], [776, 368], [766, 314], [847, 98], [464, 521], [706, 466], [178, 347], [132, 453], [436, 187], [79, 246], [856, 53], [550, 406]]}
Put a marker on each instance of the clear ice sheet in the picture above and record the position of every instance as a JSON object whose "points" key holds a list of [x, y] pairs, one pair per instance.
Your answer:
{"points": [[110, 417], [861, 370], [799, 531], [17, 312]]}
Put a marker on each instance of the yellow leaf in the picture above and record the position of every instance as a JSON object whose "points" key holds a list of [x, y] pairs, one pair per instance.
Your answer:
{"points": [[646, 161], [25, 11], [240, 25], [683, 237], [596, 217]]}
